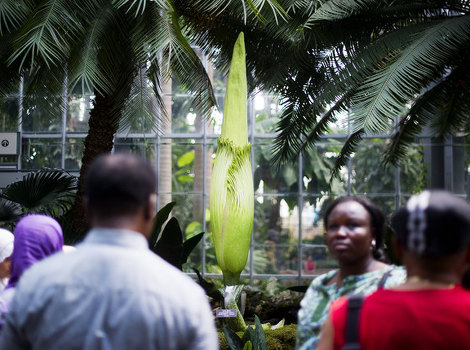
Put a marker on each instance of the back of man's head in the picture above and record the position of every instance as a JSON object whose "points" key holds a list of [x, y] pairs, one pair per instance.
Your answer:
{"points": [[118, 185]]}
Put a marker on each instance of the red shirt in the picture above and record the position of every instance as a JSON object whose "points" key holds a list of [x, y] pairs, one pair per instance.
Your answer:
{"points": [[421, 319]]}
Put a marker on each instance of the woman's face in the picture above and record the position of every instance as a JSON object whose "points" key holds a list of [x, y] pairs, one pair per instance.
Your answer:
{"points": [[348, 232], [5, 268]]}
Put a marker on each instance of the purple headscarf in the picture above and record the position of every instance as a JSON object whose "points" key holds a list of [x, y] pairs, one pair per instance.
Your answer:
{"points": [[36, 237]]}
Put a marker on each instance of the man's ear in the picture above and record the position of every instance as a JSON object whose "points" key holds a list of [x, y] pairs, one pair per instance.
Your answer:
{"points": [[151, 207]]}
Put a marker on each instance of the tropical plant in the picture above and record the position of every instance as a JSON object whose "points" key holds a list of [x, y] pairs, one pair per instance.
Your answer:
{"points": [[394, 66], [252, 338], [48, 191], [120, 50], [168, 243]]}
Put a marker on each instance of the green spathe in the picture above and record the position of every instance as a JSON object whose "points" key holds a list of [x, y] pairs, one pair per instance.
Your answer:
{"points": [[231, 190]]}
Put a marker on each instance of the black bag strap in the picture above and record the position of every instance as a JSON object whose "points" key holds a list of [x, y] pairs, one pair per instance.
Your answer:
{"points": [[352, 322], [384, 278]]}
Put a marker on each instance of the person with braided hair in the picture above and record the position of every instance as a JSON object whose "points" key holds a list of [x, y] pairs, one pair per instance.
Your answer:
{"points": [[430, 310]]}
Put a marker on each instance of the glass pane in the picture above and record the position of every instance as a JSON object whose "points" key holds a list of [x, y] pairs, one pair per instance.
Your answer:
{"points": [[276, 218], [267, 111], [183, 115], [145, 148], [78, 112], [9, 114], [181, 167], [188, 215], [368, 175], [312, 220], [341, 126], [317, 164], [265, 261], [316, 259], [267, 178], [73, 154], [41, 153], [42, 114], [413, 177]]}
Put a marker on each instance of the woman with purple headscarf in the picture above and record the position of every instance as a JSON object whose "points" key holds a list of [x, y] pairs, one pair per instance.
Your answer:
{"points": [[6, 249], [36, 237]]}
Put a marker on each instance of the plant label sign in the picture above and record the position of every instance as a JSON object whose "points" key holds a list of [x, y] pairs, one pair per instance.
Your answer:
{"points": [[226, 313], [8, 143]]}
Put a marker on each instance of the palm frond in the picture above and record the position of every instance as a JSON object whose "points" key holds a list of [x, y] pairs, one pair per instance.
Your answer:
{"points": [[332, 10], [9, 211], [142, 105], [348, 148], [46, 34], [445, 104], [188, 68], [12, 14], [322, 126], [84, 66], [385, 93], [139, 6], [260, 9], [48, 191]]}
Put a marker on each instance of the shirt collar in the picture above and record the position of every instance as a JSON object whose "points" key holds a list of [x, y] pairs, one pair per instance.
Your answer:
{"points": [[117, 237]]}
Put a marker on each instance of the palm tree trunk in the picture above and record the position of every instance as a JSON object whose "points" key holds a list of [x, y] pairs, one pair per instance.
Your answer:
{"points": [[103, 125], [100, 139]]}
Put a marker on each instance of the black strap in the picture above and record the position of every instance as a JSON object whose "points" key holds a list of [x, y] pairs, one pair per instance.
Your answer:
{"points": [[384, 278], [352, 322]]}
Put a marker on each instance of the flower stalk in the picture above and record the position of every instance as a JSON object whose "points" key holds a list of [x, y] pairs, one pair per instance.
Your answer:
{"points": [[231, 189]]}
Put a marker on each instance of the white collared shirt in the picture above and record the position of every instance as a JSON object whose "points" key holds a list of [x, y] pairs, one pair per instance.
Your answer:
{"points": [[111, 293]]}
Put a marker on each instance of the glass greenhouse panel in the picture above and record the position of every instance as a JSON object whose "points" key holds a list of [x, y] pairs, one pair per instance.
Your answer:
{"points": [[41, 153], [267, 179], [73, 154], [316, 259], [42, 114], [183, 115], [188, 215], [313, 208], [413, 174], [9, 114], [388, 203], [78, 112], [276, 218], [267, 110], [269, 257], [143, 147], [368, 175], [317, 163]]}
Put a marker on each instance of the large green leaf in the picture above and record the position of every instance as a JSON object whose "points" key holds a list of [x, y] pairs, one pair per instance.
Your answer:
{"points": [[51, 192], [160, 219], [9, 211]]}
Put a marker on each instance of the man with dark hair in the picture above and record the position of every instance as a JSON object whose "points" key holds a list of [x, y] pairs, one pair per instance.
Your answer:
{"points": [[112, 292]]}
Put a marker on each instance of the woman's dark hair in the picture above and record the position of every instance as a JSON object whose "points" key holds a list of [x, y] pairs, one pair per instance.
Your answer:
{"points": [[377, 220]]}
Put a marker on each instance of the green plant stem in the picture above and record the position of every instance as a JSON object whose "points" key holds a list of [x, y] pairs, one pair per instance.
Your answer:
{"points": [[231, 295]]}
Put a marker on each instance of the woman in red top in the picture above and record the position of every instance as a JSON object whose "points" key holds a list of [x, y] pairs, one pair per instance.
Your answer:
{"points": [[431, 310]]}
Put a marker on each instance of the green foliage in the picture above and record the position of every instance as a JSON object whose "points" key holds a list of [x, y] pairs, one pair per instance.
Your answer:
{"points": [[168, 243], [49, 192], [252, 339], [212, 289], [276, 339]]}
